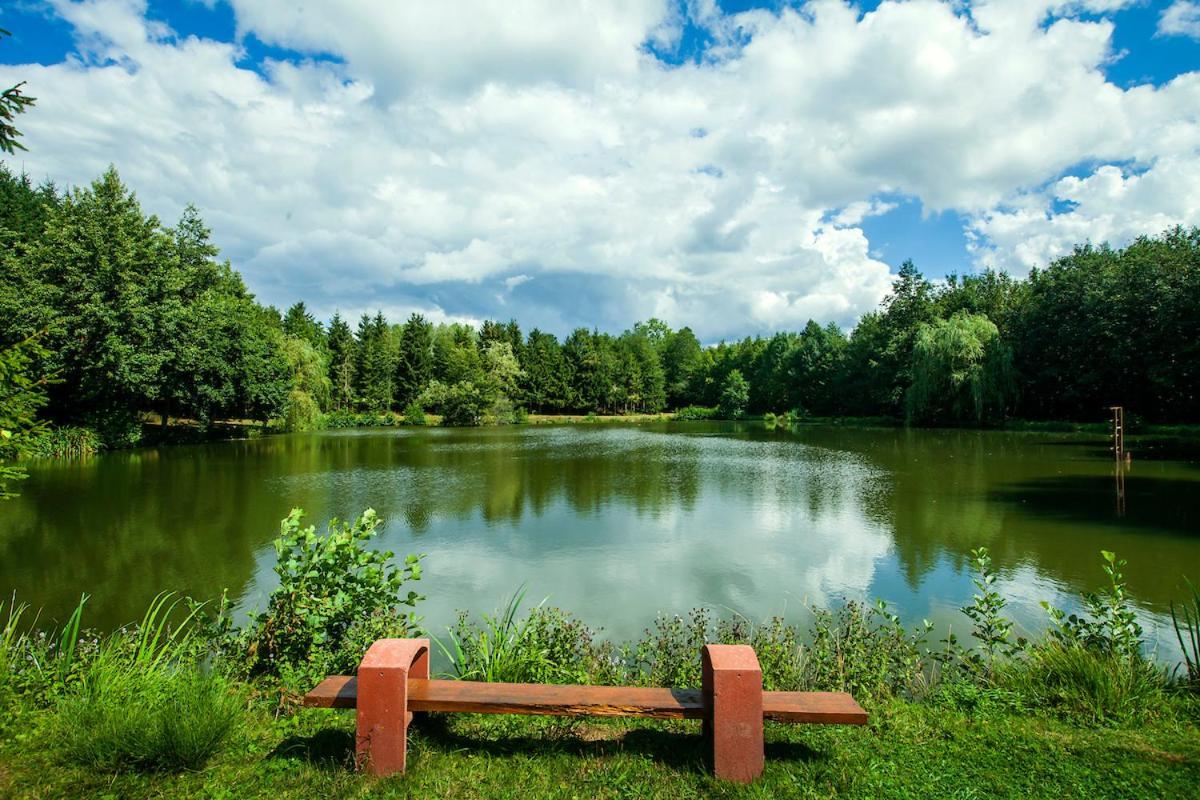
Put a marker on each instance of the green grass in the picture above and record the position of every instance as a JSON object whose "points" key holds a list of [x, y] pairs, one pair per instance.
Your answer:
{"points": [[158, 718], [1088, 685], [907, 751], [143, 701], [1081, 713]]}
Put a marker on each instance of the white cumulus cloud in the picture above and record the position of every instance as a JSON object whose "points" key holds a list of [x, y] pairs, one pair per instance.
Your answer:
{"points": [[1181, 18], [534, 158]]}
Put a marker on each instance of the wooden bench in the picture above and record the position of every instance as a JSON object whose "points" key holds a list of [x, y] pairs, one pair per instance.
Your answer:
{"points": [[393, 682]]}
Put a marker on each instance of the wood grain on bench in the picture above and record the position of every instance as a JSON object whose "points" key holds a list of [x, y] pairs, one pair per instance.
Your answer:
{"points": [[341, 691]]}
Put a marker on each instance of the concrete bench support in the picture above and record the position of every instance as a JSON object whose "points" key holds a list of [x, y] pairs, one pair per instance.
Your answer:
{"points": [[733, 697], [383, 715]]}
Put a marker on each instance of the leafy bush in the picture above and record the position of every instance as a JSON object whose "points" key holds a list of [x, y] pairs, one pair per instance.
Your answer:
{"points": [[777, 646], [991, 629], [414, 414], [504, 412], [856, 648], [463, 405], [795, 415], [695, 413], [1111, 625], [116, 429], [335, 596], [669, 653], [344, 418], [865, 650], [340, 418]]}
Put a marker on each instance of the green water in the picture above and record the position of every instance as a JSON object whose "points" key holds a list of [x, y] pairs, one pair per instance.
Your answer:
{"points": [[618, 523]]}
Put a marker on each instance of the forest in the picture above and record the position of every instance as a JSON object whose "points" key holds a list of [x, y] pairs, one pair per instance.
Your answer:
{"points": [[110, 318]]}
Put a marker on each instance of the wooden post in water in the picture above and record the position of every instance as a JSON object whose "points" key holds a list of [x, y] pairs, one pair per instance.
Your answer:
{"points": [[1120, 456], [1118, 432]]}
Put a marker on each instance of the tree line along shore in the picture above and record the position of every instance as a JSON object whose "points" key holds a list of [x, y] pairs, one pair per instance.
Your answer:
{"points": [[108, 317]]}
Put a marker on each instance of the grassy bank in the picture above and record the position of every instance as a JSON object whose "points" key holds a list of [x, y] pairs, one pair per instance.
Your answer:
{"points": [[185, 704], [909, 750]]}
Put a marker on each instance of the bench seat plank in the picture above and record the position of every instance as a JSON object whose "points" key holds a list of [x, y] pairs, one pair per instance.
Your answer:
{"points": [[341, 691]]}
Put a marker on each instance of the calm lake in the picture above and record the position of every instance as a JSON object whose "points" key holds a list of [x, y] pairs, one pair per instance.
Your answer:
{"points": [[617, 523]]}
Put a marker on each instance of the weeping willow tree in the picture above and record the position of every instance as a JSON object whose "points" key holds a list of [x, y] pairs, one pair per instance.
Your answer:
{"points": [[962, 372]]}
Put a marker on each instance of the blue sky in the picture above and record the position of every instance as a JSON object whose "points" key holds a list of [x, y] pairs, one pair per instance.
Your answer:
{"points": [[739, 167]]}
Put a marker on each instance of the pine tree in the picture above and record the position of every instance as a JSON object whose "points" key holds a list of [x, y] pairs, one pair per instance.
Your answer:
{"points": [[374, 363], [545, 386], [340, 344], [414, 364], [13, 101], [299, 324]]}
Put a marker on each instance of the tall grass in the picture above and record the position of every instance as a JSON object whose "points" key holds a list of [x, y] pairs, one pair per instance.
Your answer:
{"points": [[172, 716], [1089, 666], [145, 701], [37, 660], [1086, 683], [500, 649], [10, 648], [66, 442], [1187, 629]]}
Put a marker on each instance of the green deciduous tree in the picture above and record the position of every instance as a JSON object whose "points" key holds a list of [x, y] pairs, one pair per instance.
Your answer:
{"points": [[816, 362], [456, 354], [735, 396], [680, 355], [640, 384]]}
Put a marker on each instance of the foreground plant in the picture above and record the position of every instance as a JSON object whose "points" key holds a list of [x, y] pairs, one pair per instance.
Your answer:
{"points": [[1110, 624], [335, 597], [547, 646], [145, 700], [1187, 630], [170, 717], [991, 629], [1086, 683]]}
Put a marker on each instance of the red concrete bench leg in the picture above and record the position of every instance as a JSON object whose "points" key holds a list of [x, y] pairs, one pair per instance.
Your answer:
{"points": [[383, 715], [733, 696]]}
